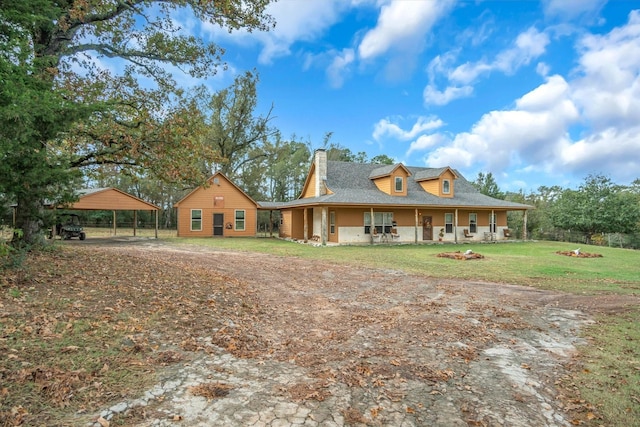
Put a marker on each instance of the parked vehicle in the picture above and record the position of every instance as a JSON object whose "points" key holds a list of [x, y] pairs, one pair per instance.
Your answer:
{"points": [[68, 226]]}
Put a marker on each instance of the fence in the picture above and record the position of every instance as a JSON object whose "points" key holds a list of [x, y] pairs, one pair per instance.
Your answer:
{"points": [[618, 240]]}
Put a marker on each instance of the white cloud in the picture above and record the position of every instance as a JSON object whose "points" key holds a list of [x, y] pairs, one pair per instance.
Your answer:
{"points": [[535, 130], [402, 25], [608, 89], [528, 45], [339, 67], [569, 9], [426, 141], [386, 127], [609, 151], [432, 96], [602, 101], [294, 22]]}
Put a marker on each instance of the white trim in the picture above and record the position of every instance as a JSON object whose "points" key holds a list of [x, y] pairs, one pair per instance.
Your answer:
{"points": [[395, 184], [191, 220], [244, 220], [447, 190]]}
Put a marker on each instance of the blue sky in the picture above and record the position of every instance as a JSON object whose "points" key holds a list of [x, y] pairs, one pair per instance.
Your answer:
{"points": [[535, 92]]}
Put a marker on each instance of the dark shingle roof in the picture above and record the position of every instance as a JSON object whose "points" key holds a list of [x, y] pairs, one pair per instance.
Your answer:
{"points": [[351, 184]]}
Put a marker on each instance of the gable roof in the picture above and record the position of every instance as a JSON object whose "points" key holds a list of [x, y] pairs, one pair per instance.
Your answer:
{"points": [[351, 184], [432, 173], [210, 181], [386, 170], [109, 198]]}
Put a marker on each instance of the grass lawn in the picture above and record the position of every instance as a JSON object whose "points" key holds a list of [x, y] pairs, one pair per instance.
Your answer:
{"points": [[533, 264]]}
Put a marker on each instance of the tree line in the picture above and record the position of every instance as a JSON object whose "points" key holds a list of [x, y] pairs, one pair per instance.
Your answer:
{"points": [[596, 208]]}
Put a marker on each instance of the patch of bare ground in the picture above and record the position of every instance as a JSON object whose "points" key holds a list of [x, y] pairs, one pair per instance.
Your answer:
{"points": [[251, 339]]}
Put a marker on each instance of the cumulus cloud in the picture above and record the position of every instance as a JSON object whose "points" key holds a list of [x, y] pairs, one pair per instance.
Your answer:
{"points": [[601, 101], [424, 142], [386, 127], [608, 88], [293, 23], [609, 150], [534, 130], [401, 25]]}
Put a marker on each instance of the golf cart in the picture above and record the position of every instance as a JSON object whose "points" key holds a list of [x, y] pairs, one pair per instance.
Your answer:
{"points": [[68, 226]]}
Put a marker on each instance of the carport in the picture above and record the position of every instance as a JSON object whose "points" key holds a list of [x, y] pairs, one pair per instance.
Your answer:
{"points": [[112, 199]]}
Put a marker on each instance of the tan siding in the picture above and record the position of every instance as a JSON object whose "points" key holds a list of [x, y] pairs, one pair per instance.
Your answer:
{"points": [[310, 189], [350, 217], [203, 198], [383, 184], [431, 186], [297, 224], [285, 225]]}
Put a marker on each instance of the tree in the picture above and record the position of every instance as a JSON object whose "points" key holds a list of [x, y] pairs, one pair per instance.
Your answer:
{"points": [[382, 159], [233, 131], [597, 206], [59, 110], [487, 185]]}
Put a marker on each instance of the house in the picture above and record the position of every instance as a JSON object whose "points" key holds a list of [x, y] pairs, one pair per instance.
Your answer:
{"points": [[363, 203], [219, 208]]}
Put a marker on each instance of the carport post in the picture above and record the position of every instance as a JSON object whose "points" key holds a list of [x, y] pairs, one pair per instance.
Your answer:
{"points": [[114, 223], [156, 223], [135, 222]]}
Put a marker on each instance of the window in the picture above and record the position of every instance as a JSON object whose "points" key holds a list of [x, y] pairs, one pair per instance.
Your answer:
{"points": [[332, 222], [399, 184], [240, 220], [382, 222], [448, 223], [196, 219], [446, 186], [473, 223]]}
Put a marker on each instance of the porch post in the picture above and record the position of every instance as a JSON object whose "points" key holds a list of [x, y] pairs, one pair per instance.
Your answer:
{"points": [[415, 240], [270, 222], [524, 225], [323, 226], [455, 227], [306, 227], [493, 224], [372, 226], [135, 222], [114, 223], [156, 223]]}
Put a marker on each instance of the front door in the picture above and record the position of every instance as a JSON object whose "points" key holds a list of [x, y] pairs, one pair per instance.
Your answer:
{"points": [[218, 224], [427, 228]]}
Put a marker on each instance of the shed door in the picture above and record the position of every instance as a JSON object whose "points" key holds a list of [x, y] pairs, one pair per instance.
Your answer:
{"points": [[427, 228], [218, 224]]}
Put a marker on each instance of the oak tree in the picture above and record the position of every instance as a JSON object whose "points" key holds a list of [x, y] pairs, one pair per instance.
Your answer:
{"points": [[62, 109]]}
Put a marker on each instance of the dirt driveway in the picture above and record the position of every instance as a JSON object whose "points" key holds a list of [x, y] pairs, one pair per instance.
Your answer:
{"points": [[330, 345]]}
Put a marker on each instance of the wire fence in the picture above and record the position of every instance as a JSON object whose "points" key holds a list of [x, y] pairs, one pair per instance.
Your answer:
{"points": [[617, 240]]}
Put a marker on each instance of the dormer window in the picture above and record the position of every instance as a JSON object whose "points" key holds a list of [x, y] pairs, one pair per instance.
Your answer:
{"points": [[399, 184], [446, 186]]}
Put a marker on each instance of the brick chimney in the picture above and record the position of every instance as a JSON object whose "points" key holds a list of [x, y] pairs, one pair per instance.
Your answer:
{"points": [[320, 161]]}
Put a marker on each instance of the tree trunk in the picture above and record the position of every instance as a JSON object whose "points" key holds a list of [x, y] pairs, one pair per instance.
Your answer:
{"points": [[29, 213]]}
